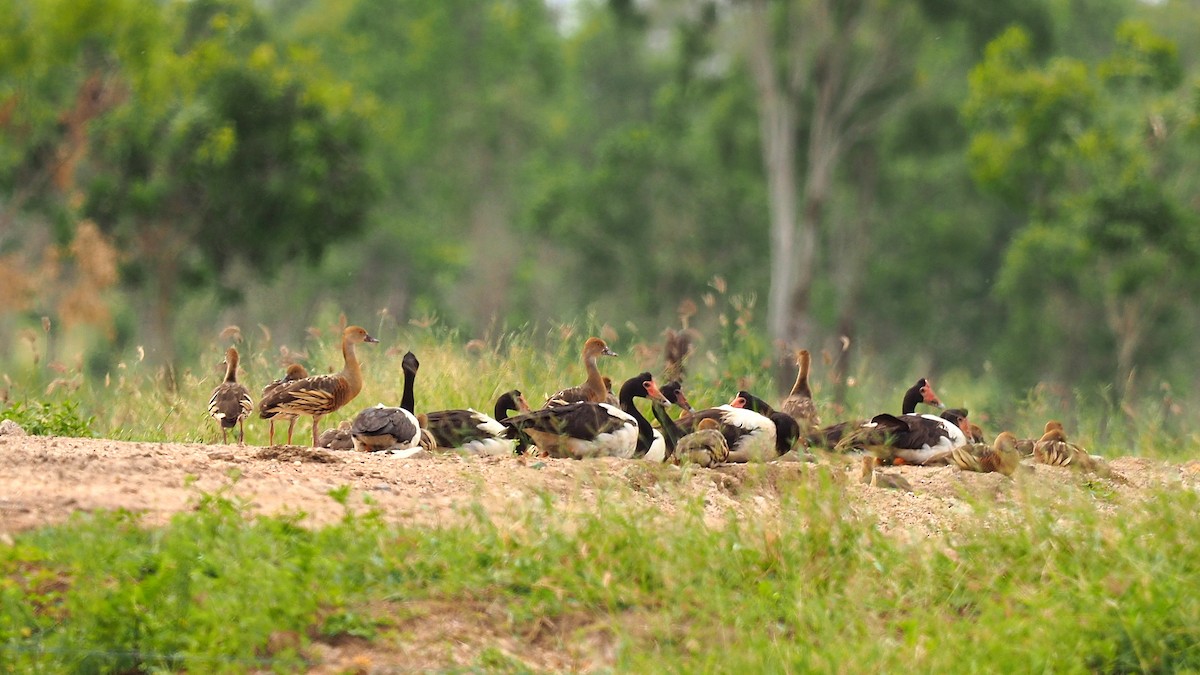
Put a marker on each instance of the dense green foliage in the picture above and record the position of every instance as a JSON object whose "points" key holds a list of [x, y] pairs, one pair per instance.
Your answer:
{"points": [[1012, 198], [1052, 584], [49, 418]]}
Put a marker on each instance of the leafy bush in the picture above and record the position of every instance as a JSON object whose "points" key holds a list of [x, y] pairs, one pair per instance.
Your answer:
{"points": [[57, 418]]}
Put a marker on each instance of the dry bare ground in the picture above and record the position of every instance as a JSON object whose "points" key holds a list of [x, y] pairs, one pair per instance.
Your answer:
{"points": [[44, 480]]}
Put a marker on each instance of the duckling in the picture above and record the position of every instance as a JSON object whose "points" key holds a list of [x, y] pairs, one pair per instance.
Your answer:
{"points": [[799, 403], [699, 447], [320, 395], [337, 439], [388, 427], [231, 402], [875, 478], [294, 372], [1025, 445], [592, 389], [1001, 455], [705, 446]]}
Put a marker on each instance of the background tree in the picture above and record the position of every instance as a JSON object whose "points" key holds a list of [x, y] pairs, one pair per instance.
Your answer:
{"points": [[1093, 155]]}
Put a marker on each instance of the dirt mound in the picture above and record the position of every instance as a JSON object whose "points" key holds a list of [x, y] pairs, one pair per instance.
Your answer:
{"points": [[46, 479]]}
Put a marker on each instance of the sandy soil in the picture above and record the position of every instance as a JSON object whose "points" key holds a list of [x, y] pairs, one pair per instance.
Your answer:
{"points": [[44, 480]]}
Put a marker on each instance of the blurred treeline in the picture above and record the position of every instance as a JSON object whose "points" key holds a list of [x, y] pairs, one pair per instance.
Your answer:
{"points": [[1008, 187]]}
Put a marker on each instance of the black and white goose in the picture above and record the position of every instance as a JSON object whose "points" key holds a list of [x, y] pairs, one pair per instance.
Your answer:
{"points": [[749, 435], [787, 429], [850, 433], [474, 432], [388, 427], [910, 438], [586, 429]]}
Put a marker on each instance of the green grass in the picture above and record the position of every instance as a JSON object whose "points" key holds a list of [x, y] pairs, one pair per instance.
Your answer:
{"points": [[138, 401], [1049, 585]]}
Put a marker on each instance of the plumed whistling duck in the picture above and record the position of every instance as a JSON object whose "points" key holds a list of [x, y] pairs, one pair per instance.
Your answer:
{"points": [[1001, 456], [320, 395], [388, 427], [799, 402], [475, 432], [593, 388], [1054, 449], [231, 402], [294, 372], [586, 429]]}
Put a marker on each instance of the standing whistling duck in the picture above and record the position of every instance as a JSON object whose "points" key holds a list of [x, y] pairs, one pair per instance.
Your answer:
{"points": [[585, 429], [388, 427], [320, 395], [593, 388], [231, 402], [799, 403], [294, 372]]}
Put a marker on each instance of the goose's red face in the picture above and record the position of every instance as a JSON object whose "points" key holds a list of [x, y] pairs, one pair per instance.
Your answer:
{"points": [[654, 394], [737, 402], [929, 397], [682, 402]]}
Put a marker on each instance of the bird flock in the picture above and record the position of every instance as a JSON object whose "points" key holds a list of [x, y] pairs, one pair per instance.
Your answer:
{"points": [[589, 420]]}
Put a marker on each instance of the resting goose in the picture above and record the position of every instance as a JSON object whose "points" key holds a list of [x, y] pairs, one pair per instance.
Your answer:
{"points": [[389, 427], [231, 402], [593, 388], [294, 372], [846, 434], [1001, 456], [586, 429], [749, 435], [475, 432], [320, 395], [799, 403], [705, 446], [787, 429]]}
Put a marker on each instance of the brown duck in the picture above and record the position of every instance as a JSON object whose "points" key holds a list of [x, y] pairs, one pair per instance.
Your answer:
{"points": [[231, 402], [294, 372], [320, 395], [1054, 449], [1001, 456], [592, 389], [799, 403]]}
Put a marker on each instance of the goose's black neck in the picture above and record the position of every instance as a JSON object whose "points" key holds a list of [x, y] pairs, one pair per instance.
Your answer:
{"points": [[506, 402], [634, 387], [670, 430], [408, 401], [912, 397]]}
